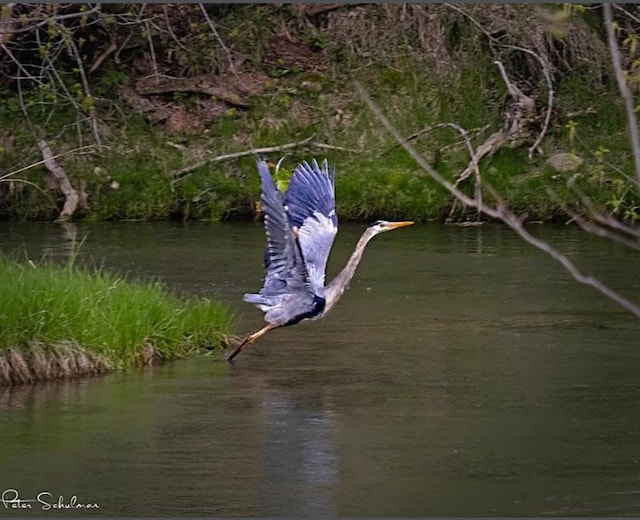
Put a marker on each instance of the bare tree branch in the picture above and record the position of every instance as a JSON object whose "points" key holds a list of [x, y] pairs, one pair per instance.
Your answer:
{"points": [[419, 133], [500, 212], [522, 109], [98, 61], [24, 71], [232, 66], [151, 49], [595, 213], [619, 8], [85, 85], [236, 155], [167, 22], [61, 179], [180, 174], [592, 227], [38, 163], [543, 64], [324, 146], [48, 19]]}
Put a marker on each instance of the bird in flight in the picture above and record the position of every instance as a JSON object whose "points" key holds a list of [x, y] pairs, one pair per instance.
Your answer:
{"points": [[301, 225]]}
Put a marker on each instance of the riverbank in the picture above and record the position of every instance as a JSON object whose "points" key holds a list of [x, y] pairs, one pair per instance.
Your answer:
{"points": [[166, 127], [60, 322]]}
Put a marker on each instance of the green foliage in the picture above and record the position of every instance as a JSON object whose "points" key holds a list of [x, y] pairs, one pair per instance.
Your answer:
{"points": [[316, 41], [138, 191], [102, 312], [282, 176], [110, 78], [369, 193], [133, 178], [213, 195]]}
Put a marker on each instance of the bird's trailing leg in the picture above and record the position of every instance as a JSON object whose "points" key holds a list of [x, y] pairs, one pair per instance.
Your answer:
{"points": [[250, 339]]}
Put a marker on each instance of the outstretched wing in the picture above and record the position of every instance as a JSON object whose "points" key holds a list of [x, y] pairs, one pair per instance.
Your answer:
{"points": [[311, 207], [282, 261]]}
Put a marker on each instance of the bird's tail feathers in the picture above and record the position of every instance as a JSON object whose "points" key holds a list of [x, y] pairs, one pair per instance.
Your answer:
{"points": [[258, 299]]}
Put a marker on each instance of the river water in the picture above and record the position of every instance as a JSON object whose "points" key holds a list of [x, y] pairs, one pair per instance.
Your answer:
{"points": [[463, 374]]}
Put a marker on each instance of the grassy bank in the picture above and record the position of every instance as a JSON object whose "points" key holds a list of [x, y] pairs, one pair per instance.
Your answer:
{"points": [[425, 66], [133, 179], [60, 322]]}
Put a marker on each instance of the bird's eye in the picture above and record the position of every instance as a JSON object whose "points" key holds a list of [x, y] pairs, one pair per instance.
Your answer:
{"points": [[377, 223]]}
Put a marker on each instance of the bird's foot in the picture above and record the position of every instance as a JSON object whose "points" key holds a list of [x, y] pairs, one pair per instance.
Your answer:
{"points": [[249, 340]]}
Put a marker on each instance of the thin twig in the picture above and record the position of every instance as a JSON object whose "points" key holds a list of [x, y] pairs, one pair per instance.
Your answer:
{"points": [[85, 85], [592, 227], [547, 117], [56, 18], [179, 174], [500, 212], [634, 18], [26, 73], [96, 64], [512, 89], [547, 75], [52, 71], [415, 135], [599, 217], [170, 29], [473, 163], [38, 163], [419, 133], [217, 36], [324, 146], [151, 49]]}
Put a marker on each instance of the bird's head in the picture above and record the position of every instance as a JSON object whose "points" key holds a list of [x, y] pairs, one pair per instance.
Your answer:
{"points": [[380, 226]]}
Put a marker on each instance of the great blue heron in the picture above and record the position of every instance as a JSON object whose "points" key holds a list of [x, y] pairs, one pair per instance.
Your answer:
{"points": [[301, 225]]}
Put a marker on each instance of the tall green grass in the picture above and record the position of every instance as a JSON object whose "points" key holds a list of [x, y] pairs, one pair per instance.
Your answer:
{"points": [[124, 321]]}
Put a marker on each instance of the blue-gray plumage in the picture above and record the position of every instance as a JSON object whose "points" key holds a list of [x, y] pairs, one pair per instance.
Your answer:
{"points": [[301, 225]]}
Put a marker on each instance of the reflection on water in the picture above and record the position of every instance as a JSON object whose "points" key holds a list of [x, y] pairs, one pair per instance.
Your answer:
{"points": [[300, 456], [34, 397], [66, 243], [462, 374]]}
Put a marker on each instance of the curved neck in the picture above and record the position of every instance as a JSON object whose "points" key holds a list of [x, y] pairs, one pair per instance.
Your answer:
{"points": [[340, 283]]}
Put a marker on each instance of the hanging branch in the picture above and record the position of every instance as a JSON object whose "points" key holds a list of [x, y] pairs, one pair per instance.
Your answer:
{"points": [[500, 212]]}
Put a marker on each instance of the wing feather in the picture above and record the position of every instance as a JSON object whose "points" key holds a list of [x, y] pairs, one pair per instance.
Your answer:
{"points": [[311, 208], [282, 260]]}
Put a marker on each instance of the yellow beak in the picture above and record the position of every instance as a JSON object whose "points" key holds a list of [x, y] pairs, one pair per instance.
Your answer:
{"points": [[396, 225]]}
